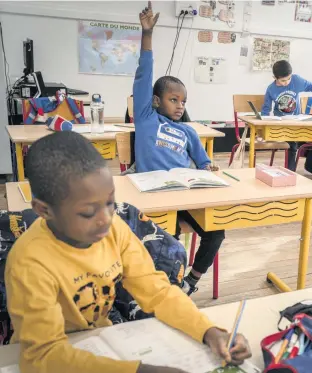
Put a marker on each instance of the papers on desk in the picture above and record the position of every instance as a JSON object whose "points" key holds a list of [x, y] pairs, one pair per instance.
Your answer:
{"points": [[154, 343], [176, 179], [87, 129], [300, 117], [10, 369]]}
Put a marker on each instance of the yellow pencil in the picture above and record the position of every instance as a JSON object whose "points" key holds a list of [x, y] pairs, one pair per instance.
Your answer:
{"points": [[235, 327]]}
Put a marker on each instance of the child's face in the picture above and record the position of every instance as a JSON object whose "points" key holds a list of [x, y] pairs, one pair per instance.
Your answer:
{"points": [[173, 100], [85, 216], [283, 82]]}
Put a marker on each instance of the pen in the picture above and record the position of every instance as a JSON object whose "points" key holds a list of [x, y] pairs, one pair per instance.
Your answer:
{"points": [[235, 327], [284, 345], [231, 176]]}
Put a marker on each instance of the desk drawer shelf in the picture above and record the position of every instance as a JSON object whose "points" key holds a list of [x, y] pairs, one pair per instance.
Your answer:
{"points": [[249, 215], [165, 220], [106, 148], [293, 133]]}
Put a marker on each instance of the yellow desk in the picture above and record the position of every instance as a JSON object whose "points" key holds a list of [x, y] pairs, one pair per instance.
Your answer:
{"points": [[247, 203], [277, 130], [105, 143], [264, 310]]}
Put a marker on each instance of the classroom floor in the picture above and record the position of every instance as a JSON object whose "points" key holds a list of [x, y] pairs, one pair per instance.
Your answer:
{"points": [[246, 255]]}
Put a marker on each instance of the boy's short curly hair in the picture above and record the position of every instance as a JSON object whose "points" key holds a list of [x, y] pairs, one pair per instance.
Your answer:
{"points": [[54, 160], [162, 83]]}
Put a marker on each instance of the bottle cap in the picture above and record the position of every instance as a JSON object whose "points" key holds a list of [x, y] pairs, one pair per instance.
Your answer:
{"points": [[96, 97]]}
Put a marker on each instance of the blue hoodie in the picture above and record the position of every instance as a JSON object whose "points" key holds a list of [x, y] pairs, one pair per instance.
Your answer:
{"points": [[160, 143], [286, 99]]}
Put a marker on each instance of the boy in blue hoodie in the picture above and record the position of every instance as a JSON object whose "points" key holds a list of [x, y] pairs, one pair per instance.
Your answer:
{"points": [[284, 92], [163, 142]]}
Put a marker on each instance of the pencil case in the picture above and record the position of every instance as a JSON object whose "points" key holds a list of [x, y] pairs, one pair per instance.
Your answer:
{"points": [[300, 359]]}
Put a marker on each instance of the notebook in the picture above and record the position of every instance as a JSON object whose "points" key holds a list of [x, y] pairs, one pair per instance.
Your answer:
{"points": [[25, 191], [87, 129], [154, 343], [300, 117], [175, 179]]}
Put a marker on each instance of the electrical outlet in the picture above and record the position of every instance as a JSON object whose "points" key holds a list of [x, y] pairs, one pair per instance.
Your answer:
{"points": [[191, 7]]}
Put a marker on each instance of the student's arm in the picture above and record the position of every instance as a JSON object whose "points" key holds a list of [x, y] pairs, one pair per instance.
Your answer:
{"points": [[267, 106], [154, 293], [196, 150], [307, 85], [39, 324], [143, 81]]}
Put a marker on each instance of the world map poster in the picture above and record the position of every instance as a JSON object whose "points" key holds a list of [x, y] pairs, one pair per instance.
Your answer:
{"points": [[108, 48]]}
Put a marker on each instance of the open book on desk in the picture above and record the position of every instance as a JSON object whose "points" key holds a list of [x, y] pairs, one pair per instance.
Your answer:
{"points": [[176, 179], [155, 343]]}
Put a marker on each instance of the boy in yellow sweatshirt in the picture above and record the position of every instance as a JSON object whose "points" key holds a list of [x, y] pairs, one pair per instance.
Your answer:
{"points": [[61, 273]]}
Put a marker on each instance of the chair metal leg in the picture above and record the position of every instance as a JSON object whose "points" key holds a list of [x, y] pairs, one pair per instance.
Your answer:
{"points": [[286, 159], [216, 277], [193, 248], [272, 157], [187, 241], [233, 153]]}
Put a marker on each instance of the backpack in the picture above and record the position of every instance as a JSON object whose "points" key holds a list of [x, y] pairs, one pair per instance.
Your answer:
{"points": [[167, 253], [12, 225]]}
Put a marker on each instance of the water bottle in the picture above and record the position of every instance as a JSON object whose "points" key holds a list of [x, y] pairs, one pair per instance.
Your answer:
{"points": [[97, 114]]}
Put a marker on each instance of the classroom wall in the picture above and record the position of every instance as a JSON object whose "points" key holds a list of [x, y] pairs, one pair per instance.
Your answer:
{"points": [[53, 27]]}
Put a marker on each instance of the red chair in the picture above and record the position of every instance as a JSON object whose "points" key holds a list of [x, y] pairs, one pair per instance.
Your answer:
{"points": [[241, 105], [124, 147]]}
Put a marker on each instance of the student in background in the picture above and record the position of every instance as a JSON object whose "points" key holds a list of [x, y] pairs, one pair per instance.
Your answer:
{"points": [[163, 142], [284, 92], [61, 273]]}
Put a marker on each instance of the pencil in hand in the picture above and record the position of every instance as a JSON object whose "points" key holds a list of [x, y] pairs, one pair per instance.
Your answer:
{"points": [[235, 327]]}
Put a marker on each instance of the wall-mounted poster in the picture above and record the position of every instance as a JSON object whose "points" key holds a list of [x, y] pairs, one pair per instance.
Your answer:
{"points": [[303, 11], [108, 48], [267, 51]]}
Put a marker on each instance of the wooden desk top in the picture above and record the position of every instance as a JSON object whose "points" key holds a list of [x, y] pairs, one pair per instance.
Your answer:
{"points": [[247, 190], [30, 133], [260, 123], [259, 320]]}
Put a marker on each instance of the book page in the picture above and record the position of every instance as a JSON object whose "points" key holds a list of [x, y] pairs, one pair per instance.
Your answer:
{"points": [[297, 117], [270, 117], [198, 178], [155, 343], [155, 180], [96, 346]]}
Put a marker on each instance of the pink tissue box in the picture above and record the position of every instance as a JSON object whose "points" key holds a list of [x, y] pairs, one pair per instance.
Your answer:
{"points": [[275, 176]]}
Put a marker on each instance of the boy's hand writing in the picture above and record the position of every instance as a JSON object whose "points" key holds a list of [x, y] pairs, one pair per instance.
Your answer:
{"points": [[144, 368], [147, 18], [212, 167], [217, 340]]}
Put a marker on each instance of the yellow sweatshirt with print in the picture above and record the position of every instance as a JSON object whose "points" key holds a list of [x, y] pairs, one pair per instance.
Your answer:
{"points": [[54, 288]]}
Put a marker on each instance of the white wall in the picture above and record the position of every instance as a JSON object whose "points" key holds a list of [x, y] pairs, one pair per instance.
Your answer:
{"points": [[56, 54]]}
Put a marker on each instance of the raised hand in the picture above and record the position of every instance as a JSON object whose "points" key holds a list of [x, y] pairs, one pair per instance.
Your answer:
{"points": [[147, 18]]}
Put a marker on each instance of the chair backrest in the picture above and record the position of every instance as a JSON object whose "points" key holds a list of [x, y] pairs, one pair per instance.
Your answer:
{"points": [[62, 110], [125, 148], [306, 105], [130, 108], [241, 105]]}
